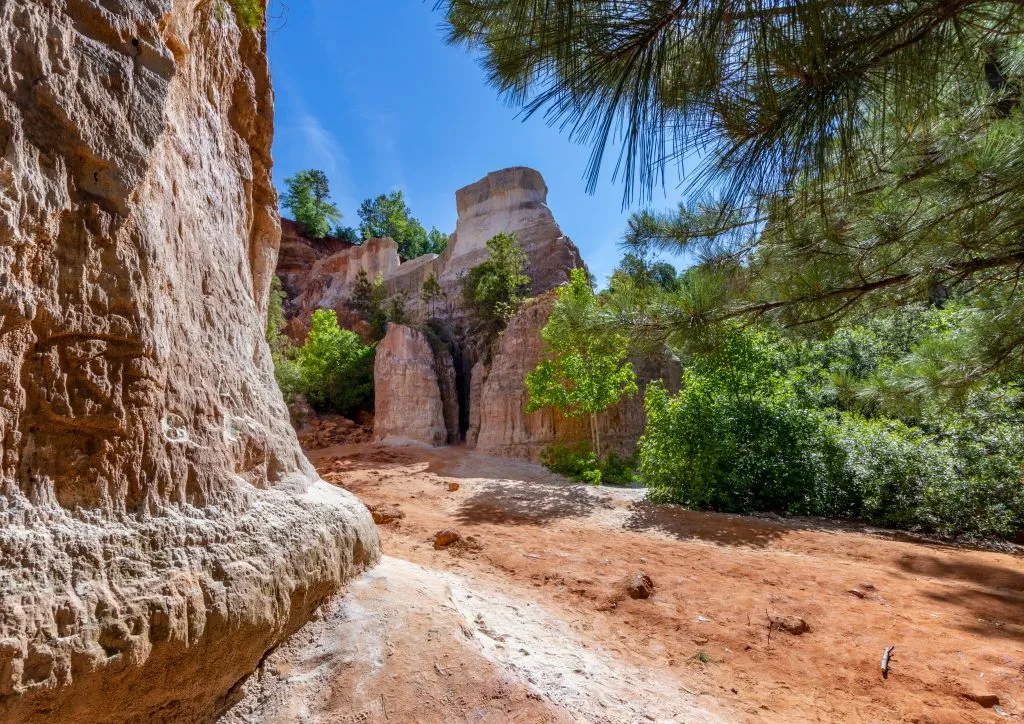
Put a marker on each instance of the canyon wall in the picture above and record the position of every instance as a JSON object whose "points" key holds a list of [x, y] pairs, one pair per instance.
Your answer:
{"points": [[482, 389], [513, 200], [160, 529], [408, 403]]}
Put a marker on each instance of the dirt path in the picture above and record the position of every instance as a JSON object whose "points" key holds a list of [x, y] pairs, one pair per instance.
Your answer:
{"points": [[530, 623]]}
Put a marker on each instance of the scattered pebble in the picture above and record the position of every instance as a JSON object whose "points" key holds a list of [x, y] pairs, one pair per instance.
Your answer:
{"points": [[639, 585], [385, 513]]}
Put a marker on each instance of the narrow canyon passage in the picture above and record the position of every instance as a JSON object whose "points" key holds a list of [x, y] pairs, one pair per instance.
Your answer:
{"points": [[527, 617]]}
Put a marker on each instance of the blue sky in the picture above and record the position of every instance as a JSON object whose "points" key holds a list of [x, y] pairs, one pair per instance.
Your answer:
{"points": [[368, 91]]}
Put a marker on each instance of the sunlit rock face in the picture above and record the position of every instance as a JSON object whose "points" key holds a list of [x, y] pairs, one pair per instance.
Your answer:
{"points": [[408, 404], [160, 529], [513, 200]]}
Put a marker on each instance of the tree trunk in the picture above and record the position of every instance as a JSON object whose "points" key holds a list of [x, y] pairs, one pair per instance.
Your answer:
{"points": [[596, 434]]}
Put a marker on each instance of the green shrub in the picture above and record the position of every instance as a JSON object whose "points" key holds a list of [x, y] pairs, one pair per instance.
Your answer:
{"points": [[738, 439], [248, 12], [579, 462], [335, 369], [494, 289], [289, 379], [734, 439], [576, 462], [618, 470], [708, 450], [951, 484]]}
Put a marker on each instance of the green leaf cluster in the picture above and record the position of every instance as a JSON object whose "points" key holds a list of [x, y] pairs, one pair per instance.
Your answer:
{"points": [[307, 197], [389, 216], [333, 368], [582, 373], [249, 12], [494, 289], [767, 423]]}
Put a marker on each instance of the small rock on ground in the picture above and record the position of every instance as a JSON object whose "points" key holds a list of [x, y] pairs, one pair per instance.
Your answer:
{"points": [[793, 625], [385, 513], [444, 538], [639, 585]]}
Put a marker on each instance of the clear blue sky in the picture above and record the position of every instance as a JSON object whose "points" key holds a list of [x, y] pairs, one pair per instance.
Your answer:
{"points": [[368, 92]]}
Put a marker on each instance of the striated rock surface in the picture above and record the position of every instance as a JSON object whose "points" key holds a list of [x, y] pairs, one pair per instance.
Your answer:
{"points": [[298, 255], [407, 402], [513, 200], [160, 529], [499, 424], [328, 285]]}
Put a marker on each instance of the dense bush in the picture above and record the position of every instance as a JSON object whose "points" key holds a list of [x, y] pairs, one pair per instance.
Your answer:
{"points": [[742, 436], [733, 439], [335, 369]]}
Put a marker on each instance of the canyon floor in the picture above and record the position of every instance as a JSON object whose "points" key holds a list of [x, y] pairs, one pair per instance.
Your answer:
{"points": [[527, 618]]}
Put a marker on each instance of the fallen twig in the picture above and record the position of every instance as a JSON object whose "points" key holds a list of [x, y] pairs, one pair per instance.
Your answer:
{"points": [[885, 661]]}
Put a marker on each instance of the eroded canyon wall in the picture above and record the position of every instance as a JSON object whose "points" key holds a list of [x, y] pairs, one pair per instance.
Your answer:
{"points": [[513, 200], [160, 529]]}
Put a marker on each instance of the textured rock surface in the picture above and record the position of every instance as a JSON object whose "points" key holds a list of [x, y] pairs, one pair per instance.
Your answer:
{"points": [[329, 283], [298, 255], [499, 401], [407, 399], [160, 530], [512, 200]]}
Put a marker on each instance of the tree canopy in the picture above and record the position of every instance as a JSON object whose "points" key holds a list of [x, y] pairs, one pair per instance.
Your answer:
{"points": [[307, 197], [388, 215], [582, 374], [494, 289], [839, 157]]}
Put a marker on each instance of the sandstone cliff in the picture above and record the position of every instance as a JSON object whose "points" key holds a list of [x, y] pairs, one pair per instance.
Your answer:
{"points": [[408, 404], [512, 200], [160, 529]]}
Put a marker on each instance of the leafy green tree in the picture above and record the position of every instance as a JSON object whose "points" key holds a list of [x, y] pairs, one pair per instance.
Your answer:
{"points": [[308, 199], [432, 294], [370, 301], [335, 367], [583, 373], [347, 233], [494, 289], [388, 216], [437, 242]]}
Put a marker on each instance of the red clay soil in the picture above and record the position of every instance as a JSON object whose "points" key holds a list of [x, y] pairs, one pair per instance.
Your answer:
{"points": [[749, 619]]}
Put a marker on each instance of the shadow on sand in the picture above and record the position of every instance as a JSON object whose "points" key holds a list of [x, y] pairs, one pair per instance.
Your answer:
{"points": [[511, 502]]}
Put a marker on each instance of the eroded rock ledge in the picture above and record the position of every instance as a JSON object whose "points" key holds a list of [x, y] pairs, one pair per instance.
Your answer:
{"points": [[160, 529]]}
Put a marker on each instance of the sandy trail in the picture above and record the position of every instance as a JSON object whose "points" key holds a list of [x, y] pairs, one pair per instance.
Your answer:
{"points": [[532, 626]]}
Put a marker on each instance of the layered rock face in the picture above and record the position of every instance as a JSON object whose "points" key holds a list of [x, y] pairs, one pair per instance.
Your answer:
{"points": [[499, 423], [513, 200], [329, 283], [407, 403], [160, 529]]}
